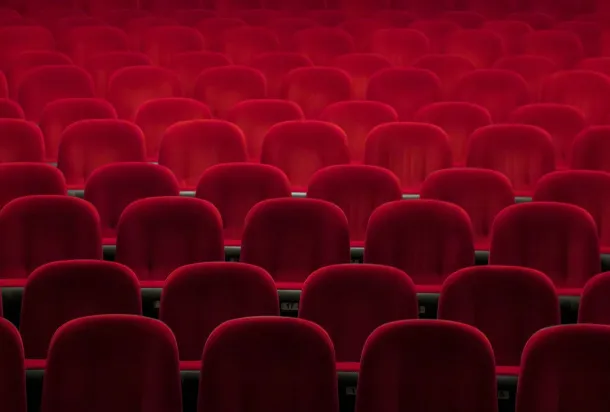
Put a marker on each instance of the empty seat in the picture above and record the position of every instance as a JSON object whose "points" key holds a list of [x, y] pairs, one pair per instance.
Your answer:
{"points": [[459, 120], [160, 234], [512, 32], [12, 380], [481, 193], [533, 69], [314, 88], [111, 188], [399, 354], [61, 291], [10, 109], [400, 46], [45, 84], [449, 68], [46, 228], [362, 30], [256, 117], [250, 184], [137, 28], [523, 153], [438, 31], [300, 148], [589, 33], [596, 64], [275, 65], [162, 43], [593, 305], [411, 150], [508, 304], [20, 141], [27, 179], [188, 148], [582, 89], [102, 66], [243, 44], [286, 27], [155, 116], [89, 144], [28, 60], [558, 239], [188, 66], [213, 29], [111, 354], [221, 88], [17, 39], [82, 43], [129, 87], [481, 47], [360, 67], [335, 293], [428, 239], [323, 44], [291, 238], [198, 298], [59, 114], [562, 122], [536, 19], [562, 47], [590, 148], [358, 190]]}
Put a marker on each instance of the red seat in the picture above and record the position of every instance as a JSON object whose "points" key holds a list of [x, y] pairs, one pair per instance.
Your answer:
{"points": [[274, 66], [466, 19], [438, 31], [360, 67], [162, 43], [83, 43], [425, 8], [590, 148], [323, 44], [12, 380], [533, 69], [243, 44], [482, 47], [213, 29], [562, 47], [536, 19], [589, 33], [327, 17], [596, 64], [394, 18], [512, 32], [138, 28], [258, 17], [28, 60], [10, 109], [101, 7], [401, 47], [20, 141], [286, 27], [190, 16], [362, 30], [593, 305], [28, 179], [102, 66], [17, 39], [189, 65], [449, 68]]}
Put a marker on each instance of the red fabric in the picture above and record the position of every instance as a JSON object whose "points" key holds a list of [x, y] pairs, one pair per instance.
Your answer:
{"points": [[189, 148], [427, 365], [315, 88], [561, 46], [362, 30], [12, 378], [372, 294], [60, 114], [400, 46], [20, 141], [596, 64], [259, 17], [115, 362], [512, 32], [395, 18], [508, 304], [111, 188], [459, 120], [547, 372], [523, 153], [157, 235], [275, 65], [157, 115], [256, 117], [481, 193], [100, 7], [323, 44], [89, 144], [466, 19], [102, 66], [189, 65], [213, 29], [589, 149], [223, 87], [35, 230], [10, 109], [589, 33], [428, 239], [198, 298], [17, 39], [268, 363], [26, 179], [406, 90], [411, 150], [162, 43], [61, 291], [129, 87], [482, 47], [291, 238], [28, 60], [536, 19], [448, 67], [533, 69], [593, 305], [87, 41], [425, 8], [286, 27], [243, 44], [328, 18], [558, 239], [360, 67], [438, 31], [137, 28], [300, 148]]}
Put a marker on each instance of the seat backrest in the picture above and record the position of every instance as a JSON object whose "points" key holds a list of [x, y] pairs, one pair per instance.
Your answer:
{"points": [[401, 46], [482, 47], [20, 141], [28, 60], [561, 46], [12, 378], [449, 68], [360, 67], [532, 68], [323, 44], [27, 179], [84, 42], [593, 306], [243, 44], [162, 43], [17, 39], [589, 148], [275, 66], [102, 66]]}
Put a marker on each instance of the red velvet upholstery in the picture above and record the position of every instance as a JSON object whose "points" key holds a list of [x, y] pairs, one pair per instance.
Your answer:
{"points": [[360, 67], [596, 64], [291, 238], [268, 363], [162, 43], [102, 66], [275, 65], [466, 19], [449, 68], [10, 109], [508, 304], [84, 42], [561, 46], [558, 239], [429, 364], [589, 149], [28, 60], [137, 28], [243, 44], [20, 141], [199, 297], [213, 29], [26, 179], [286, 27], [589, 33], [188, 66], [17, 39], [12, 378], [401, 46], [362, 29], [512, 32], [61, 291], [593, 306], [323, 44], [118, 362], [533, 69], [438, 31], [482, 47], [157, 235], [371, 294]]}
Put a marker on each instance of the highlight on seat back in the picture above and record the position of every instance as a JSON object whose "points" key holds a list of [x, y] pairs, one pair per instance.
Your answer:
{"points": [[360, 67], [102, 66], [155, 116], [12, 378], [405, 89], [243, 44], [482, 47], [533, 69], [561, 121], [545, 365], [20, 141], [59, 114], [293, 361], [17, 39], [159, 234], [112, 354], [300, 148], [162, 43], [26, 179], [593, 306], [410, 150], [275, 65], [111, 188], [587, 189], [89, 144], [256, 117], [323, 44], [249, 184], [561, 46], [189, 148], [512, 32], [481, 193], [523, 153], [448, 68], [334, 294], [197, 298], [398, 355], [291, 238], [589, 148], [459, 120], [357, 189], [571, 252], [84, 42], [28, 60], [188, 66], [45, 84], [401, 46], [61, 291], [595, 64], [10, 109], [35, 230], [508, 304]]}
